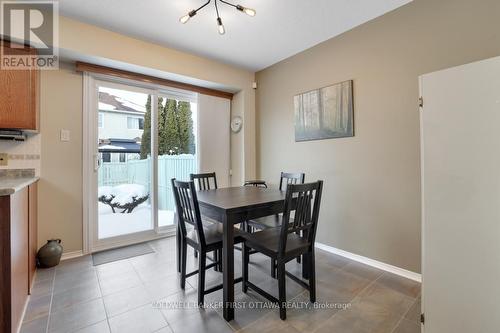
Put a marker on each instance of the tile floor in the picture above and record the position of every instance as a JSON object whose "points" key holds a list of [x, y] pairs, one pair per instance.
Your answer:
{"points": [[142, 294]]}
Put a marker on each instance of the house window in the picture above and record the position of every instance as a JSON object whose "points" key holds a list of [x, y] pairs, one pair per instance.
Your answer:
{"points": [[100, 120], [122, 158], [135, 123], [106, 157]]}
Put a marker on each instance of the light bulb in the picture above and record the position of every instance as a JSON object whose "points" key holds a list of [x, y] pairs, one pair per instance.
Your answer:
{"points": [[248, 11], [222, 30], [186, 17]]}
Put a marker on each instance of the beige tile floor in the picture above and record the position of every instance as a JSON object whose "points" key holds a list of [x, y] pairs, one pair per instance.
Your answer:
{"points": [[142, 294]]}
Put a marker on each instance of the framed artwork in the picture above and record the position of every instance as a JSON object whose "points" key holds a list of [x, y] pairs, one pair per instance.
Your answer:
{"points": [[325, 113]]}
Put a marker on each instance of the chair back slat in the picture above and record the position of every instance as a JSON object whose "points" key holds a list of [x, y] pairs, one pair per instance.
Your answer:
{"points": [[301, 212], [206, 181], [288, 178], [188, 209]]}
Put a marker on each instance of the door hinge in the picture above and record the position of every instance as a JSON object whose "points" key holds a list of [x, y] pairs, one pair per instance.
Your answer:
{"points": [[421, 102], [422, 318]]}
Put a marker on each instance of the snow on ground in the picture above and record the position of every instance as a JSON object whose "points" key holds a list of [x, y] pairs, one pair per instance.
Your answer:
{"points": [[139, 220]]}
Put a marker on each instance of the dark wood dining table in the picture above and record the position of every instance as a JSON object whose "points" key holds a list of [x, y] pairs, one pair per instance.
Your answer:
{"points": [[231, 206]]}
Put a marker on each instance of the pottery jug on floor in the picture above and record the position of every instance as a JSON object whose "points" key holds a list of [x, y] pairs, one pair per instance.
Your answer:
{"points": [[50, 254]]}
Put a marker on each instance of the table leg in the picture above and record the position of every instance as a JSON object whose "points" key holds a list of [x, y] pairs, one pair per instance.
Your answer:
{"points": [[228, 268]]}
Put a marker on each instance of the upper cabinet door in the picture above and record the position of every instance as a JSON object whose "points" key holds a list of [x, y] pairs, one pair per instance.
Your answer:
{"points": [[19, 98]]}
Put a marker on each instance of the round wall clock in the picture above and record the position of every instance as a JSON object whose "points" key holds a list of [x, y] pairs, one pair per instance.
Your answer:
{"points": [[236, 124]]}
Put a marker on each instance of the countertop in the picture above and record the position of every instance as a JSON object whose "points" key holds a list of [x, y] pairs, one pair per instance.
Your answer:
{"points": [[10, 186]]}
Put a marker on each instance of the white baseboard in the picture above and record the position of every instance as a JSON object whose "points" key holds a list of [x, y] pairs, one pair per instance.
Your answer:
{"points": [[371, 262], [71, 255], [364, 260]]}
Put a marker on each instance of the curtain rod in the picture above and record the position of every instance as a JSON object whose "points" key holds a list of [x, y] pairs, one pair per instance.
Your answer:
{"points": [[91, 68]]}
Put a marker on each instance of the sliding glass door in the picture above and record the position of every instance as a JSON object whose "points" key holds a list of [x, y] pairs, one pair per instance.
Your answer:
{"points": [[124, 175], [177, 157], [143, 136]]}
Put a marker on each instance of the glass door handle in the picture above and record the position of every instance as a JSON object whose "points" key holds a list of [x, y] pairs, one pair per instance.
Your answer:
{"points": [[97, 162]]}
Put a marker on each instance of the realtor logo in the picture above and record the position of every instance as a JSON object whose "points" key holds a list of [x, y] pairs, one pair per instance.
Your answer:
{"points": [[30, 35]]}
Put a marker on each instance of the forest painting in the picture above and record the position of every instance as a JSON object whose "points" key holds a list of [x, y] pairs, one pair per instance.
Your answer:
{"points": [[325, 113]]}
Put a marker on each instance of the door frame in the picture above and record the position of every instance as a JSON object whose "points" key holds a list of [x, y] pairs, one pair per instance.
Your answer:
{"points": [[422, 206], [91, 243]]}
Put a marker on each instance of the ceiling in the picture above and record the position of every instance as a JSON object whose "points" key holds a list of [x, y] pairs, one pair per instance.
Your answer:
{"points": [[280, 29]]}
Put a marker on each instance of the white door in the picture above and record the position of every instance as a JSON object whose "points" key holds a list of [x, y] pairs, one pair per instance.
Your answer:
{"points": [[460, 125]]}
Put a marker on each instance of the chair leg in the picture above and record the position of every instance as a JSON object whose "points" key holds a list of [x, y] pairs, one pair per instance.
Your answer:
{"points": [[312, 277], [245, 260], [179, 250], [216, 260], [282, 290], [183, 264], [220, 260], [299, 257], [202, 260], [273, 268]]}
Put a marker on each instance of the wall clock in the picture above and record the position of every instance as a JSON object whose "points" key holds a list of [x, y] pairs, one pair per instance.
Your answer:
{"points": [[236, 124]]}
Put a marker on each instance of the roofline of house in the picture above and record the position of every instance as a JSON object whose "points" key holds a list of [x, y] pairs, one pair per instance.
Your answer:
{"points": [[138, 113]]}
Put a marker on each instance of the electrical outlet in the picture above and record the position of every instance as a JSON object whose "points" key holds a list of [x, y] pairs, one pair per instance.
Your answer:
{"points": [[4, 159]]}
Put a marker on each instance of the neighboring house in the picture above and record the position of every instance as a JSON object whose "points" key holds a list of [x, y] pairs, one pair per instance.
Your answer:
{"points": [[121, 124], [120, 118]]}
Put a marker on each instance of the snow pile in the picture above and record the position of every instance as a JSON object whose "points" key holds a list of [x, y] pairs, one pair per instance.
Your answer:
{"points": [[105, 191], [125, 193]]}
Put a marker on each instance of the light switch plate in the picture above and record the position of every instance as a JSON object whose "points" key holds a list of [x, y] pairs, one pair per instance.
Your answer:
{"points": [[65, 136], [4, 159]]}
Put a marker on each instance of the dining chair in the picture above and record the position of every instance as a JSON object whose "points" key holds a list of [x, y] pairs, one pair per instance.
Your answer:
{"points": [[253, 183], [274, 221], [206, 181], [203, 238], [295, 237]]}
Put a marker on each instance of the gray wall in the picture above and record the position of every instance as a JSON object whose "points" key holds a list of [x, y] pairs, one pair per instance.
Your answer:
{"points": [[371, 203]]}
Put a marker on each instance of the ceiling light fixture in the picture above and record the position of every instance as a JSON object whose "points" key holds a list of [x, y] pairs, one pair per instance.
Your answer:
{"points": [[222, 30]]}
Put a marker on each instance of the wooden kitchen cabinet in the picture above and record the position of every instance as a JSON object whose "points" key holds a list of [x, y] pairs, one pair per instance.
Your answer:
{"points": [[19, 97], [18, 254]]}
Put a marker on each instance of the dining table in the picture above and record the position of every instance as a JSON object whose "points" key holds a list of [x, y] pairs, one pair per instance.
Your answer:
{"points": [[231, 206]]}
